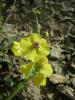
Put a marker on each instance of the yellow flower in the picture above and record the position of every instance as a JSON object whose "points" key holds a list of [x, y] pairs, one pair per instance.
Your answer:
{"points": [[16, 49], [24, 69], [30, 47], [38, 72], [33, 46], [39, 80], [44, 72]]}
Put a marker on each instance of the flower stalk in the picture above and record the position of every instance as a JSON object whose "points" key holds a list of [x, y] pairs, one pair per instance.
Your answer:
{"points": [[35, 49], [21, 85], [17, 90]]}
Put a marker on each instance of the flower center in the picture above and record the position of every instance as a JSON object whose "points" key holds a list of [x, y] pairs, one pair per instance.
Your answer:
{"points": [[36, 45]]}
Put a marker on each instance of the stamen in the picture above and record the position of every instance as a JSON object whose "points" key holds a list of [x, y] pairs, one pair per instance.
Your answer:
{"points": [[36, 45]]}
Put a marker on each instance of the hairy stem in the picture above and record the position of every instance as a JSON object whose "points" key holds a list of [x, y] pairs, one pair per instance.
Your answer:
{"points": [[22, 85], [17, 90]]}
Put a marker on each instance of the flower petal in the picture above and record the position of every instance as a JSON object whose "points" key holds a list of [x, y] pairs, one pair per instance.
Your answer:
{"points": [[31, 54], [43, 43], [24, 69], [43, 51], [34, 37], [25, 44], [38, 79], [16, 48], [41, 59], [46, 70], [43, 83]]}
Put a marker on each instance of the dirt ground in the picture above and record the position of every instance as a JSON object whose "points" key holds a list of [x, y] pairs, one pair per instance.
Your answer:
{"points": [[55, 17]]}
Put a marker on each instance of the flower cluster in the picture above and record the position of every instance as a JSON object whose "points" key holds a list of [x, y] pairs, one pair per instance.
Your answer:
{"points": [[35, 49]]}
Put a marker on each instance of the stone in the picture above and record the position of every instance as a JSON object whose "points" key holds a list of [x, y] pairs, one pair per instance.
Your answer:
{"points": [[55, 52], [67, 90], [50, 96], [56, 79], [72, 80]]}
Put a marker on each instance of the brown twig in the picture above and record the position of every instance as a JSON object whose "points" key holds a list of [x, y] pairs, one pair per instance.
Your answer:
{"points": [[10, 12]]}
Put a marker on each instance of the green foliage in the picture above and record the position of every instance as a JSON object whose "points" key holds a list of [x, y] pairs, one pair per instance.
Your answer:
{"points": [[0, 66], [1, 5], [36, 11], [8, 80], [1, 17], [1, 23]]}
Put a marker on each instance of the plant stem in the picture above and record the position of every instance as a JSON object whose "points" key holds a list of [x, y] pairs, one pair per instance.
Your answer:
{"points": [[38, 28], [21, 85], [10, 12], [17, 90]]}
